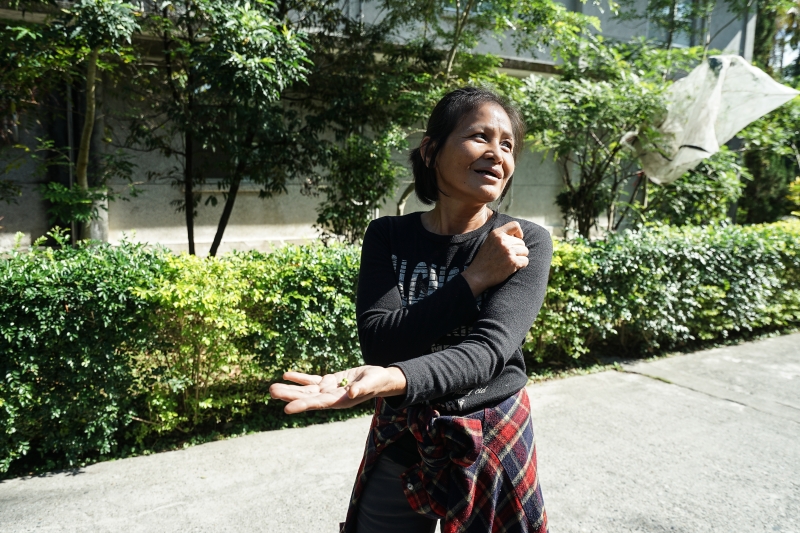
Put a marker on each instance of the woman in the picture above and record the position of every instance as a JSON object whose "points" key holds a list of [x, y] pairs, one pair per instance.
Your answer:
{"points": [[444, 301]]}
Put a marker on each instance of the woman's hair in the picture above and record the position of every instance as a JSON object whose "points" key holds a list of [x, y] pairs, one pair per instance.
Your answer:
{"points": [[448, 112]]}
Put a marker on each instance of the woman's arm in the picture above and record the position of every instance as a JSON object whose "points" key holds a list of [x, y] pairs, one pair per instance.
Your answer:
{"points": [[507, 314], [389, 332]]}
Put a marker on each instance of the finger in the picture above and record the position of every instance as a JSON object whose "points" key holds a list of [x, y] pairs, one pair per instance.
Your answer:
{"points": [[512, 243], [289, 393], [317, 402], [512, 228], [520, 262], [303, 379], [520, 251]]}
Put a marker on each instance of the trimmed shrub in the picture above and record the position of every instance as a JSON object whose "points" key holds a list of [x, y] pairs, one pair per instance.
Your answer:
{"points": [[573, 316], [193, 369], [665, 287], [303, 298], [106, 350], [69, 324]]}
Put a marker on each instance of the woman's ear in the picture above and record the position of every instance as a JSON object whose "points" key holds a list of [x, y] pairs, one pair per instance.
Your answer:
{"points": [[424, 145]]}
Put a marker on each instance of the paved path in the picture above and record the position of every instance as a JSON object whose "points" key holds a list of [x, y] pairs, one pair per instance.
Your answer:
{"points": [[703, 442]]}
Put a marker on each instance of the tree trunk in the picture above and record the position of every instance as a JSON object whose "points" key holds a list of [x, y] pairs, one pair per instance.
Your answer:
{"points": [[232, 191], [461, 22], [188, 189], [671, 30], [401, 205], [226, 215], [188, 167], [82, 165]]}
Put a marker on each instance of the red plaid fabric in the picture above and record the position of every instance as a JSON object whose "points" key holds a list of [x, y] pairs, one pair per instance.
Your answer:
{"points": [[477, 471]]}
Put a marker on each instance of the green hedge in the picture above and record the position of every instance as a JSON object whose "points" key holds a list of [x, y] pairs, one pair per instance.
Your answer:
{"points": [[665, 287], [68, 322], [107, 351]]}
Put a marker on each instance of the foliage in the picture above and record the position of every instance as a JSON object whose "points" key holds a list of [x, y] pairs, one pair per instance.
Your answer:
{"points": [[109, 351], [664, 287], [581, 122], [9, 191], [72, 203], [615, 94], [197, 313], [69, 324], [771, 152], [364, 175], [97, 24], [572, 314], [72, 43], [225, 64], [374, 82], [30, 65], [365, 96], [458, 26], [794, 196], [668, 287], [306, 319], [91, 28], [702, 196]]}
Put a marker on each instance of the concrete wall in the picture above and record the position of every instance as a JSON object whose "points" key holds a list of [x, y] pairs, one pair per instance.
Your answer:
{"points": [[262, 224], [27, 213]]}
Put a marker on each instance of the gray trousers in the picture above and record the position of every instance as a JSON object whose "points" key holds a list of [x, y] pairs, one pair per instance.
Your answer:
{"points": [[383, 507]]}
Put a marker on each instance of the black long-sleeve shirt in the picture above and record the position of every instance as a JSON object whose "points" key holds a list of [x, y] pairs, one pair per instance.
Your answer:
{"points": [[415, 311]]}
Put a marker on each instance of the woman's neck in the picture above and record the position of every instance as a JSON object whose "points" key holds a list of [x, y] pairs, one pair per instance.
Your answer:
{"points": [[447, 219]]}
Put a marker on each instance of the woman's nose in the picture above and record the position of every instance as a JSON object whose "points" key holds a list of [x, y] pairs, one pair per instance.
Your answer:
{"points": [[494, 152]]}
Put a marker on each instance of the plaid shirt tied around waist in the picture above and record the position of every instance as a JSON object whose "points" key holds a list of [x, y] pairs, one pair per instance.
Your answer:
{"points": [[477, 472]]}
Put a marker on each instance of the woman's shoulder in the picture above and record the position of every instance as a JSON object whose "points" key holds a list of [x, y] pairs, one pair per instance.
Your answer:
{"points": [[387, 226], [533, 232]]}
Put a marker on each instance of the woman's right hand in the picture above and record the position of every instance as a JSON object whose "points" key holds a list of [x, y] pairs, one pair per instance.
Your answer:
{"points": [[501, 254], [339, 390]]}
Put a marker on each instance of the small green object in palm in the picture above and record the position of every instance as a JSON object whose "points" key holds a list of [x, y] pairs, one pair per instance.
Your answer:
{"points": [[343, 382]]}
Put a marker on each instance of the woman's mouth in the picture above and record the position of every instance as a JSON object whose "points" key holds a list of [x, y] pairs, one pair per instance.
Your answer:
{"points": [[488, 173]]}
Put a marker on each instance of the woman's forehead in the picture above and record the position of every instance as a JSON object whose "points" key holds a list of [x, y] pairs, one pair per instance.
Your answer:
{"points": [[487, 114]]}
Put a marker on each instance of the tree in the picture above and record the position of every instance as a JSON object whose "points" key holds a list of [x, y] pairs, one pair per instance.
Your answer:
{"points": [[771, 153], [72, 43], [613, 95], [581, 118], [368, 93], [92, 28], [364, 175], [582, 123], [702, 196], [454, 28], [224, 65]]}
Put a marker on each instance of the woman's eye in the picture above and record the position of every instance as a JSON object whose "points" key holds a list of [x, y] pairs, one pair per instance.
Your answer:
{"points": [[507, 144]]}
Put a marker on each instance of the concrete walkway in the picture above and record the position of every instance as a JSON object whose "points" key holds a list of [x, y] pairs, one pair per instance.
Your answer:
{"points": [[703, 442]]}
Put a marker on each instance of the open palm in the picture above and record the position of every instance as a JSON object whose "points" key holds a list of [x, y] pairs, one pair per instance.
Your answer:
{"points": [[332, 391]]}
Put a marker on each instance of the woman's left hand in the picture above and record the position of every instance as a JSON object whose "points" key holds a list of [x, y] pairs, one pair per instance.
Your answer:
{"points": [[340, 390]]}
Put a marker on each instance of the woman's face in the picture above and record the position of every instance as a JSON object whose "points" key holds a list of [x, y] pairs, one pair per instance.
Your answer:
{"points": [[477, 159]]}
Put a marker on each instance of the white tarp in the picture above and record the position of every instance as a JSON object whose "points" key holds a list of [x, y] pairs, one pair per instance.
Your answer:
{"points": [[706, 109]]}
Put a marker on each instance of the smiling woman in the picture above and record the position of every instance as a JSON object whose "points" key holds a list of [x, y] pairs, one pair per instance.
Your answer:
{"points": [[444, 301]]}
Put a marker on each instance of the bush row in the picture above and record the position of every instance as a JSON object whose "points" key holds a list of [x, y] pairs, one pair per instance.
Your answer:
{"points": [[104, 350], [666, 287]]}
